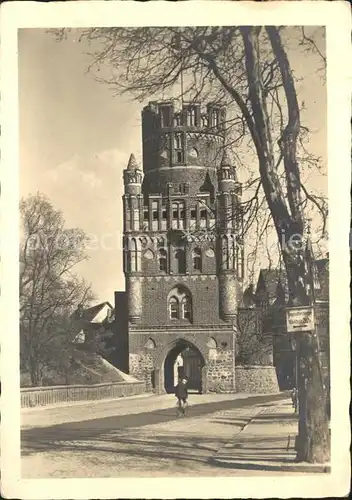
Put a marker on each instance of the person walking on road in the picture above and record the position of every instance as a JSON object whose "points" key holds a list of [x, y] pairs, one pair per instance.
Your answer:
{"points": [[182, 395]]}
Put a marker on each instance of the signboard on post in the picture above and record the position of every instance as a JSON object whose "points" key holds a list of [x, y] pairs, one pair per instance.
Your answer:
{"points": [[300, 319]]}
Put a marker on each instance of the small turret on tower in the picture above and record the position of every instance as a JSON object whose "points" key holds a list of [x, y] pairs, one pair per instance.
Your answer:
{"points": [[133, 176], [133, 218], [228, 249], [132, 199], [227, 177]]}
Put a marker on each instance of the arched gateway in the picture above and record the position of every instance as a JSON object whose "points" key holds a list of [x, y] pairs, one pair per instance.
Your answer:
{"points": [[181, 359]]}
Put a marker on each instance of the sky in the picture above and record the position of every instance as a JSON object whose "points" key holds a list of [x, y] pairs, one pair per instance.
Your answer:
{"points": [[76, 137]]}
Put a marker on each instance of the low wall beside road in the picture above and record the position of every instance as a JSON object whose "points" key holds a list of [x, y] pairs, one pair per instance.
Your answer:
{"points": [[256, 379], [43, 396]]}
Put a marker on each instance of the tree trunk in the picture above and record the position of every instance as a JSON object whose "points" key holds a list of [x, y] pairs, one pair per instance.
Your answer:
{"points": [[313, 439], [34, 374], [313, 444]]}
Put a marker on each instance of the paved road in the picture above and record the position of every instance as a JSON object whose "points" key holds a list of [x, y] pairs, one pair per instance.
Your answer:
{"points": [[82, 411], [143, 438]]}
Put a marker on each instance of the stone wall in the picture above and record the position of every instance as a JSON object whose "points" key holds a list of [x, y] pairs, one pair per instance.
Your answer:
{"points": [[141, 367], [256, 379], [220, 371]]}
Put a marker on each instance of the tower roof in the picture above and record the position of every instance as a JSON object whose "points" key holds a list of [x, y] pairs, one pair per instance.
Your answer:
{"points": [[132, 163], [227, 166], [226, 162], [309, 248]]}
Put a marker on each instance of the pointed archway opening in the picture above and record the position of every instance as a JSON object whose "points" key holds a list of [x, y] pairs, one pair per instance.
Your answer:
{"points": [[184, 360]]}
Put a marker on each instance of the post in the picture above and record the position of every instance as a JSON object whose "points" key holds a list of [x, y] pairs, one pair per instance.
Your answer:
{"points": [[300, 323], [303, 354], [233, 357], [294, 346], [297, 375], [300, 381], [296, 367]]}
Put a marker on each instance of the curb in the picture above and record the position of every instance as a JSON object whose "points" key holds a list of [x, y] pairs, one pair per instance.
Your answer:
{"points": [[283, 466], [215, 461], [252, 419], [278, 466]]}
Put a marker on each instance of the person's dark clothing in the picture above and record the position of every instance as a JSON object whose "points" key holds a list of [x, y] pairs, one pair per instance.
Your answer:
{"points": [[294, 397], [181, 391]]}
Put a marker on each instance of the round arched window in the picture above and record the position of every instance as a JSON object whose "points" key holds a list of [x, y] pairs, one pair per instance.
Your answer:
{"points": [[150, 344], [212, 343], [162, 260], [193, 153], [180, 304], [210, 252], [197, 259], [174, 308]]}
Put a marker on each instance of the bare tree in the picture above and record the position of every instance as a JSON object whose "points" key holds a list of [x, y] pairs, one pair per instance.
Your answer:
{"points": [[248, 69], [49, 291], [210, 62]]}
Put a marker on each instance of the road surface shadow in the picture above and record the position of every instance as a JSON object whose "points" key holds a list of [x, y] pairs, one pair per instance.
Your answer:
{"points": [[60, 436], [152, 417]]}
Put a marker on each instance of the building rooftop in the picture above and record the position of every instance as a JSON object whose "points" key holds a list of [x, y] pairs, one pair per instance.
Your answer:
{"points": [[272, 284]]}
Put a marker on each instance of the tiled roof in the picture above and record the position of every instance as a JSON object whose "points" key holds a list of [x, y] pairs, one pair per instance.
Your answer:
{"points": [[272, 283], [81, 319], [90, 313]]}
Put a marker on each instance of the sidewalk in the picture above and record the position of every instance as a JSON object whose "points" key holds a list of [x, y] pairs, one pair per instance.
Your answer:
{"points": [[267, 443]]}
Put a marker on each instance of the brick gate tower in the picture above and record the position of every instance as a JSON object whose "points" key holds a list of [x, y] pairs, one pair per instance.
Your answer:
{"points": [[183, 256]]}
